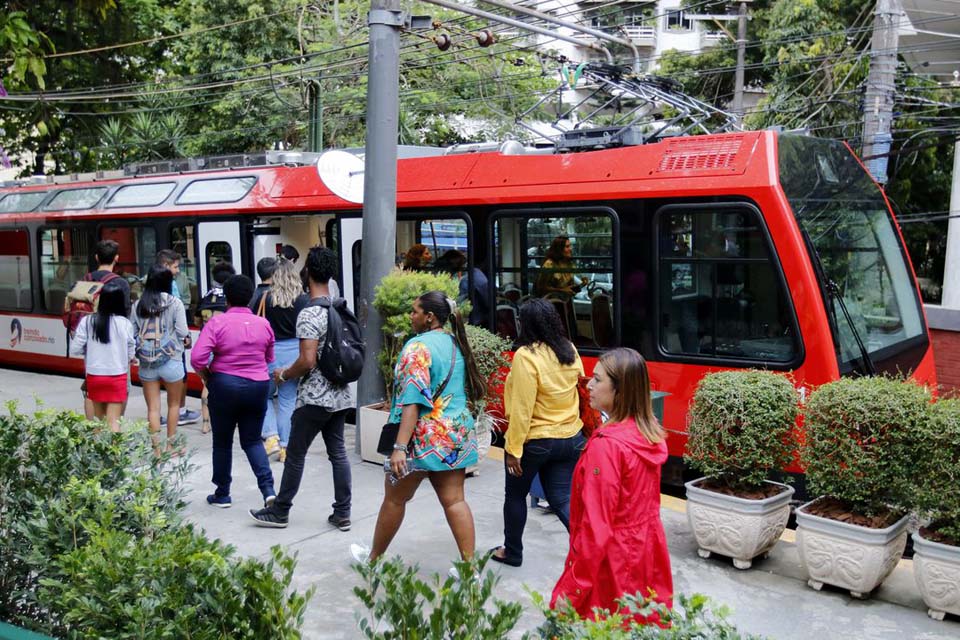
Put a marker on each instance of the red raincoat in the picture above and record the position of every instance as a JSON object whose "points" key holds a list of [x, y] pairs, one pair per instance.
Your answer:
{"points": [[617, 543]]}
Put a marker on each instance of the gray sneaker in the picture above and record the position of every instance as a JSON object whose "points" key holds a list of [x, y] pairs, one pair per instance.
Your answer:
{"points": [[188, 416]]}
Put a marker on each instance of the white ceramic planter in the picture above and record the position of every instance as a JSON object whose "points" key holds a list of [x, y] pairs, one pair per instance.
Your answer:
{"points": [[936, 568], [846, 555], [371, 421], [736, 527]]}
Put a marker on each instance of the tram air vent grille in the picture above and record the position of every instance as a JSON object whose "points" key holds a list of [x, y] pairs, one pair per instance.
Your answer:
{"points": [[711, 152]]}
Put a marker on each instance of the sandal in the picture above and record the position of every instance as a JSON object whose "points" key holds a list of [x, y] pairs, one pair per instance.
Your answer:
{"points": [[510, 562]]}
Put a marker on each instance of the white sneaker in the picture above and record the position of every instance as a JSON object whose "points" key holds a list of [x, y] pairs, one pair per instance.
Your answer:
{"points": [[360, 552], [453, 573]]}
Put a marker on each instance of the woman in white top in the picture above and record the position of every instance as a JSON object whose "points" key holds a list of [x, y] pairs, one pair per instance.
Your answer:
{"points": [[106, 340]]}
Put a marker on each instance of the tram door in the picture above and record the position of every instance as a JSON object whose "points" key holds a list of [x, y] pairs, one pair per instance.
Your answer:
{"points": [[349, 250], [265, 243], [219, 242]]}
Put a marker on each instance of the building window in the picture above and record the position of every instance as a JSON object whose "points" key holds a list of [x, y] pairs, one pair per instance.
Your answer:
{"points": [[720, 292], [678, 21], [15, 292]]}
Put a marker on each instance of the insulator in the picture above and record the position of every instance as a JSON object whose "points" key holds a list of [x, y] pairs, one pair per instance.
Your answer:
{"points": [[442, 41], [485, 38]]}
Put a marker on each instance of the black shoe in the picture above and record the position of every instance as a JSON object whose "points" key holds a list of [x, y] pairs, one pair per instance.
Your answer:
{"points": [[339, 522], [510, 562], [269, 518]]}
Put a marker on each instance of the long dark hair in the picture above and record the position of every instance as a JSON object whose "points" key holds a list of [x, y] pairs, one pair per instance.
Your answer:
{"points": [[555, 252], [445, 309], [627, 371], [112, 301], [159, 281], [540, 323]]}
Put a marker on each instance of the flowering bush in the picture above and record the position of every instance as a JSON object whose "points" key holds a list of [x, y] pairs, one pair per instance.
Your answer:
{"points": [[741, 427]]}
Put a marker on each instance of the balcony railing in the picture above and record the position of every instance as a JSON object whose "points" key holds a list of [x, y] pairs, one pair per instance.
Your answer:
{"points": [[712, 38], [641, 36]]}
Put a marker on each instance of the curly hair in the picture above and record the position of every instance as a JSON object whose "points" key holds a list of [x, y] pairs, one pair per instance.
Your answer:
{"points": [[540, 323], [286, 285], [321, 264]]}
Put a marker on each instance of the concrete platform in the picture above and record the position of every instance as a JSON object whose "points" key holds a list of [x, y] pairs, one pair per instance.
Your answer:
{"points": [[771, 599]]}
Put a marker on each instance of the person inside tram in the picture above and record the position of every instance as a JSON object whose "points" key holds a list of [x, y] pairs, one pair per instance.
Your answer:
{"points": [[417, 258], [557, 271], [455, 263]]}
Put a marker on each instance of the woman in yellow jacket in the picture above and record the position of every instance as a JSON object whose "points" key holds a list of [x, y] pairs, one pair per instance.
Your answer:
{"points": [[540, 398]]}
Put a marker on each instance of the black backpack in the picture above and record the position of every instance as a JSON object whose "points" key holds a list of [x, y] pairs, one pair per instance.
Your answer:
{"points": [[341, 357], [212, 304]]}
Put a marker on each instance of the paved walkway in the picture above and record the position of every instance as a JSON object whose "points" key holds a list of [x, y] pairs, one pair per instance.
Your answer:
{"points": [[771, 599]]}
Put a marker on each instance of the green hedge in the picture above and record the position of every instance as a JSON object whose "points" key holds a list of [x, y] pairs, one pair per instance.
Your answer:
{"points": [[92, 543], [938, 472]]}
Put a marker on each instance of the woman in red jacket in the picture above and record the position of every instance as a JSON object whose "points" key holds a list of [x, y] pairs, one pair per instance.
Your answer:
{"points": [[617, 543]]}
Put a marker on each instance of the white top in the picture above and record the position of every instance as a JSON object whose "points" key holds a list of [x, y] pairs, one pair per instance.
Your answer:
{"points": [[111, 359]]}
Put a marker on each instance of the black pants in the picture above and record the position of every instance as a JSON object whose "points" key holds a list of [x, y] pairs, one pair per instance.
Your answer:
{"points": [[306, 423]]}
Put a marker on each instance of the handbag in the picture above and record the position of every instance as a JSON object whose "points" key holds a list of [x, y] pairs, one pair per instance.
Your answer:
{"points": [[389, 432], [588, 415]]}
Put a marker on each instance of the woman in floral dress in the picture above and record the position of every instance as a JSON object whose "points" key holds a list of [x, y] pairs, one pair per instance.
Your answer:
{"points": [[436, 439]]}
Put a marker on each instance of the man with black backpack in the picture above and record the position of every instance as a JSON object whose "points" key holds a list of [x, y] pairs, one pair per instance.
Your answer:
{"points": [[331, 356]]}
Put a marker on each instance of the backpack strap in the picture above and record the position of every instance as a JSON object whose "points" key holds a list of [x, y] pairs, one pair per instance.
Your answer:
{"points": [[453, 363]]}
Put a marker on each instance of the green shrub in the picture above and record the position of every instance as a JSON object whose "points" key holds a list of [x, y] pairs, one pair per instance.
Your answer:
{"points": [[939, 477], [393, 300], [741, 427], [488, 352], [92, 543], [860, 444], [692, 618], [402, 606]]}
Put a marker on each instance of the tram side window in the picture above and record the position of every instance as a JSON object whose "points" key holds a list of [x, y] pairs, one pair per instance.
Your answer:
{"points": [[138, 250], [182, 240], [15, 292], [565, 259], [720, 295], [64, 258]]}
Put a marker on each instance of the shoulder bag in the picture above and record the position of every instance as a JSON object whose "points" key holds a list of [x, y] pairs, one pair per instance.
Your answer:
{"points": [[388, 435]]}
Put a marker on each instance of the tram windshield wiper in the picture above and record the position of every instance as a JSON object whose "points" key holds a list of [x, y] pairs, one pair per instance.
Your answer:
{"points": [[834, 290]]}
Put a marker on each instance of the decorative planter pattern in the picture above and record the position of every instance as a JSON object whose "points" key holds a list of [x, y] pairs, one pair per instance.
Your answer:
{"points": [[371, 419], [848, 556], [736, 527], [936, 568]]}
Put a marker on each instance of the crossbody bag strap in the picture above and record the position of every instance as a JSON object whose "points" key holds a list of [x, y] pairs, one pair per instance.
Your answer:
{"points": [[453, 363]]}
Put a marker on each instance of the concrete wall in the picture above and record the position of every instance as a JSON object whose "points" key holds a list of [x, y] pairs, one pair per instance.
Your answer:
{"points": [[945, 334]]}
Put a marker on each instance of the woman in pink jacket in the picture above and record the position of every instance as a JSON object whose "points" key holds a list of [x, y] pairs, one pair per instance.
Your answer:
{"points": [[617, 543]]}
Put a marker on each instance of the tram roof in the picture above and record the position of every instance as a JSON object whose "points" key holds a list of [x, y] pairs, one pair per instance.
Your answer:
{"points": [[710, 164]]}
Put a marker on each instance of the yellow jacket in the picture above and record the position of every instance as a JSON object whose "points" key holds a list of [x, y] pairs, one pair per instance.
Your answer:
{"points": [[540, 397]]}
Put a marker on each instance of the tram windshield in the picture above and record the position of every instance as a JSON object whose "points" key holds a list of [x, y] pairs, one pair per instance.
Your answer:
{"points": [[855, 249]]}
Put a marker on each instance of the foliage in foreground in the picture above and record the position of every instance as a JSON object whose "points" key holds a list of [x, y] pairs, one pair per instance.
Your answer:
{"points": [[691, 618], [939, 476], [402, 606], [92, 544]]}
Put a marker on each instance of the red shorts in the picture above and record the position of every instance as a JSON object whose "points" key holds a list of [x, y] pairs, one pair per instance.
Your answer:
{"points": [[107, 388]]}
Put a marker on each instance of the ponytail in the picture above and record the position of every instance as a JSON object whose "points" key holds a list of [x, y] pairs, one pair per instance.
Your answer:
{"points": [[445, 309]]}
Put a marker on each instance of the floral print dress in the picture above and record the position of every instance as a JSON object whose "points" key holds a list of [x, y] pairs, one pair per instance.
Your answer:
{"points": [[444, 438]]}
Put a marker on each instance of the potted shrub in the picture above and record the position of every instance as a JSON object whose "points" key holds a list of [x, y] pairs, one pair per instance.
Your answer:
{"points": [[936, 546], [740, 431], [860, 453]]}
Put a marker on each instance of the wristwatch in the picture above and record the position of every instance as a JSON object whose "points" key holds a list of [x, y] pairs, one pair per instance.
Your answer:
{"points": [[399, 447]]}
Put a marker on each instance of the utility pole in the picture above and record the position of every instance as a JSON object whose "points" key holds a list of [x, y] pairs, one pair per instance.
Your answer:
{"points": [[951, 268], [878, 100], [741, 54], [380, 184], [315, 102]]}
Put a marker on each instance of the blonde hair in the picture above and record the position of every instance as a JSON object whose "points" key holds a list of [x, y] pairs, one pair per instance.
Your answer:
{"points": [[627, 371], [286, 285]]}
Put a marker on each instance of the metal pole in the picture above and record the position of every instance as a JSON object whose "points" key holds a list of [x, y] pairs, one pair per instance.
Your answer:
{"points": [[878, 100], [380, 185], [741, 52], [951, 268]]}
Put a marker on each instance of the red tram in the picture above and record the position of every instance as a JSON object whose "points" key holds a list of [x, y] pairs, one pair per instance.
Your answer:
{"points": [[704, 253]]}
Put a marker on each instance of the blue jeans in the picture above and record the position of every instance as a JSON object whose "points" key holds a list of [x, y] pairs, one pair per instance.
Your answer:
{"points": [[308, 421], [238, 403], [277, 420], [553, 459]]}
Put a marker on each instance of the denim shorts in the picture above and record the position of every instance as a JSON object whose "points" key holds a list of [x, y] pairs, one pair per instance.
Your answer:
{"points": [[171, 371]]}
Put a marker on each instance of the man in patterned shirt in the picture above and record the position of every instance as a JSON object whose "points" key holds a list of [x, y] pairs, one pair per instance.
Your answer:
{"points": [[321, 406]]}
